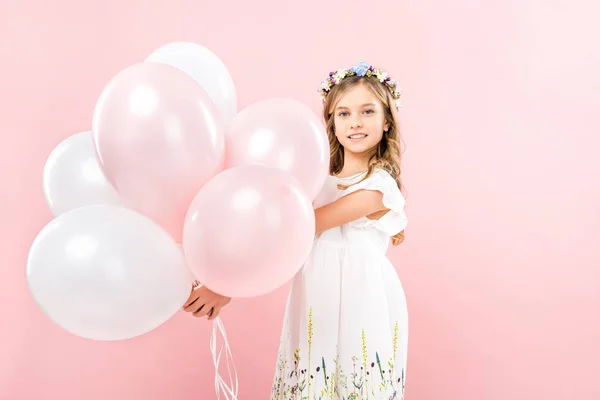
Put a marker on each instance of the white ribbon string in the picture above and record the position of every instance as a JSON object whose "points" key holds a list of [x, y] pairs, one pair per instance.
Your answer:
{"points": [[230, 390]]}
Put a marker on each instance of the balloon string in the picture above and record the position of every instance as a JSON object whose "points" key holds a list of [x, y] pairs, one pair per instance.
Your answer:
{"points": [[230, 391]]}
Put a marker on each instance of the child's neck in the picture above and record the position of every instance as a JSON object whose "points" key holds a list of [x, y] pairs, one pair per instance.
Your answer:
{"points": [[354, 164]]}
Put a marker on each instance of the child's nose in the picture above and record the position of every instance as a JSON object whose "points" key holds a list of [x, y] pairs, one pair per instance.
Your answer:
{"points": [[356, 123]]}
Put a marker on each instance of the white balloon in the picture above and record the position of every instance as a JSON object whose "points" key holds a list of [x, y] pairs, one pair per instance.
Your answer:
{"points": [[205, 68], [73, 177], [107, 273]]}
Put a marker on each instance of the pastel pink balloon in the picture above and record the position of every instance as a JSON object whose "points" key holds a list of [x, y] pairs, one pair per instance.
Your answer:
{"points": [[284, 134], [248, 231], [159, 139]]}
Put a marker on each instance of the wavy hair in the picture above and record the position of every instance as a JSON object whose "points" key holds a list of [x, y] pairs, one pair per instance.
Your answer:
{"points": [[388, 155]]}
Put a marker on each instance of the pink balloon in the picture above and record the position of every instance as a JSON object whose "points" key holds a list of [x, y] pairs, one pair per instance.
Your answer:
{"points": [[248, 231], [284, 134], [159, 139]]}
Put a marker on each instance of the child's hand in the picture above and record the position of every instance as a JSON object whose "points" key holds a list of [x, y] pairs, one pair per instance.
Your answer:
{"points": [[204, 302]]}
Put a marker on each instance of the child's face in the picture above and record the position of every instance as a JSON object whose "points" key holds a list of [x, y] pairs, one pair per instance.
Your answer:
{"points": [[359, 120]]}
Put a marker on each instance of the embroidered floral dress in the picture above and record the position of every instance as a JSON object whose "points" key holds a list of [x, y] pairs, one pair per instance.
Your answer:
{"points": [[345, 330]]}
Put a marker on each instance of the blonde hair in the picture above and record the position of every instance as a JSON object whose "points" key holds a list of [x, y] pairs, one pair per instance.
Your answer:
{"points": [[389, 150]]}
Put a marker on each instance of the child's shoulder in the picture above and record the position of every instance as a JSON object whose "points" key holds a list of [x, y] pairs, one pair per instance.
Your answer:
{"points": [[381, 173], [383, 178]]}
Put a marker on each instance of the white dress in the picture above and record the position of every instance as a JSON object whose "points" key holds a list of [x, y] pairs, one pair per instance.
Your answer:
{"points": [[345, 330]]}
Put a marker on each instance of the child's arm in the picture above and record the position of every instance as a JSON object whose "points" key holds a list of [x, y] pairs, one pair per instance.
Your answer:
{"points": [[348, 208]]}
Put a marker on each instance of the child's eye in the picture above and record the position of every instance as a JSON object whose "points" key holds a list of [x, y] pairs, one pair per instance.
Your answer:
{"points": [[369, 111], [343, 114]]}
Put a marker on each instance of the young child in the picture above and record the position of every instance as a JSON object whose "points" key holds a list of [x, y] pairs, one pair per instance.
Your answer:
{"points": [[345, 329]]}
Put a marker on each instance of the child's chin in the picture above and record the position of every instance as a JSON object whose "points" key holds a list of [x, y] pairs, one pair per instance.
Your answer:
{"points": [[357, 148]]}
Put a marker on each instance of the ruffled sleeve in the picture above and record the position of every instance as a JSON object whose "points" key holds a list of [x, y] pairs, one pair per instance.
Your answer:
{"points": [[395, 220]]}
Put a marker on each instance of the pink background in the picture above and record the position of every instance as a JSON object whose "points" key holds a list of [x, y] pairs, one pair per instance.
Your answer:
{"points": [[501, 122]]}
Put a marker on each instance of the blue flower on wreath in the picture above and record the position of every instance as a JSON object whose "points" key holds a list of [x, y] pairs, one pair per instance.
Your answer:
{"points": [[361, 69]]}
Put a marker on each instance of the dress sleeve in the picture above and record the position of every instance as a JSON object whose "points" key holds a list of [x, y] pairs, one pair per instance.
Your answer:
{"points": [[395, 220]]}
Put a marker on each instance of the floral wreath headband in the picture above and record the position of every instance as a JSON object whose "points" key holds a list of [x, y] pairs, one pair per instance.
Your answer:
{"points": [[361, 69]]}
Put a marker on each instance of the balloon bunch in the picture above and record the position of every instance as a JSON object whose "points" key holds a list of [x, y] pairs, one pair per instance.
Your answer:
{"points": [[173, 184]]}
